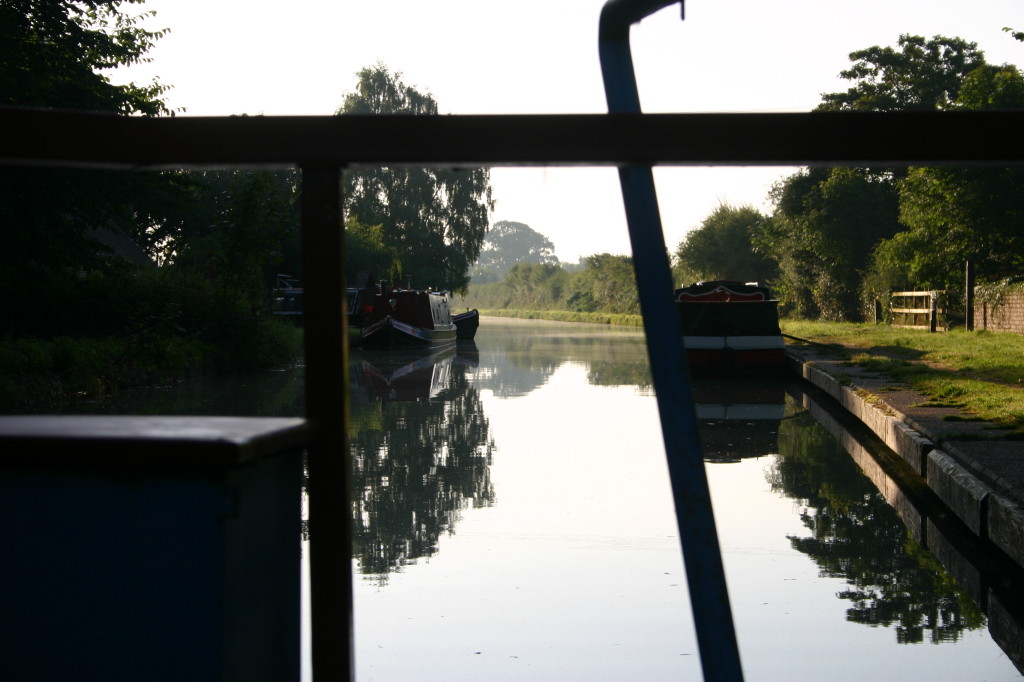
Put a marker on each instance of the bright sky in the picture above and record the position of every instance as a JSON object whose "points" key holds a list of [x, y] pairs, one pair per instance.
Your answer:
{"points": [[227, 57]]}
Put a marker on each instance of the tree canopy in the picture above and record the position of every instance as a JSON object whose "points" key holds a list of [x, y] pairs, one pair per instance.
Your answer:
{"points": [[825, 224], [366, 250], [607, 284], [722, 247], [54, 54], [434, 218], [840, 234], [920, 75], [508, 243], [952, 214], [216, 235]]}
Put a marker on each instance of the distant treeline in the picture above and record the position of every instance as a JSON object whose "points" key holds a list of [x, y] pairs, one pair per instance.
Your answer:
{"points": [[606, 284]]}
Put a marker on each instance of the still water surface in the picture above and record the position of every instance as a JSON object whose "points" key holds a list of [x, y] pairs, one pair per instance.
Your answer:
{"points": [[514, 522]]}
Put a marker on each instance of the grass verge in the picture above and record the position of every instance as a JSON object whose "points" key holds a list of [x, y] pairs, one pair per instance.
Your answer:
{"points": [[981, 372], [569, 316]]}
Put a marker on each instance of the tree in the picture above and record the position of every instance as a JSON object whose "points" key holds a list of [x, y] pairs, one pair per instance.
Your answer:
{"points": [[606, 284], [963, 213], [536, 286], [954, 214], [508, 243], [825, 225], [56, 55], [365, 250], [434, 218], [236, 232], [920, 75], [53, 54], [722, 248]]}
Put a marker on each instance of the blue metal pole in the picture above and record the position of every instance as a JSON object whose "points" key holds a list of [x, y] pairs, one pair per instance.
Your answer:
{"points": [[702, 556]]}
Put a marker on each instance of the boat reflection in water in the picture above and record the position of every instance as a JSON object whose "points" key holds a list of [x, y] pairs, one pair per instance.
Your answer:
{"points": [[421, 449], [738, 418]]}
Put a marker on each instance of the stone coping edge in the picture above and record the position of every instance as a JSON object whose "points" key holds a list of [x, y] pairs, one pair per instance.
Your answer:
{"points": [[990, 515]]}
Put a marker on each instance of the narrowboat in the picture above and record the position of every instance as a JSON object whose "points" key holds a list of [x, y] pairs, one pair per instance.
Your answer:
{"points": [[466, 324], [359, 306], [409, 318], [287, 302], [730, 326]]}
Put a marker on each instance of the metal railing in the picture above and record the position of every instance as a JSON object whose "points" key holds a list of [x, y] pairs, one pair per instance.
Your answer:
{"points": [[323, 146]]}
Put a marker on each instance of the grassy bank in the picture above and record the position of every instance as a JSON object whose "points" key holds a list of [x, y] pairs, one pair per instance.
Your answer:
{"points": [[568, 316], [980, 372]]}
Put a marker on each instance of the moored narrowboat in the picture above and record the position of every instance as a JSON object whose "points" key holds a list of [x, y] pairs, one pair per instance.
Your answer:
{"points": [[409, 318], [466, 324], [730, 326]]}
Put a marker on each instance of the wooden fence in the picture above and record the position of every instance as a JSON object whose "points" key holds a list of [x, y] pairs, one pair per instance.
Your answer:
{"points": [[918, 310]]}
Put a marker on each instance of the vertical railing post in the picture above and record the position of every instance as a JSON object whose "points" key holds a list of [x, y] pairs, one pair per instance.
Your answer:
{"points": [[329, 463]]}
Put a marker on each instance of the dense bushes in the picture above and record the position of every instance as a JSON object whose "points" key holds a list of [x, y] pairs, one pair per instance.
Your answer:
{"points": [[143, 328]]}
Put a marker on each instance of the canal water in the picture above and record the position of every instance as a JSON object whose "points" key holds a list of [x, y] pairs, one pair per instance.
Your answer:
{"points": [[513, 521]]}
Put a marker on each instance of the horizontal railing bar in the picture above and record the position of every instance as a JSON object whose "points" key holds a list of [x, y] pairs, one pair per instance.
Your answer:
{"points": [[64, 138]]}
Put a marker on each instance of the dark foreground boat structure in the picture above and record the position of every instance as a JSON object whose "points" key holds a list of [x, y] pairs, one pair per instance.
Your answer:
{"points": [[409, 318], [730, 326]]}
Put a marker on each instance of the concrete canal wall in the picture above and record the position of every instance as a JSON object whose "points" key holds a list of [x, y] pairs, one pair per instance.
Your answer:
{"points": [[981, 481]]}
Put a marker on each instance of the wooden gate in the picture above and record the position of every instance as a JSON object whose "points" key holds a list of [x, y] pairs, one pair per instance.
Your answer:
{"points": [[918, 310]]}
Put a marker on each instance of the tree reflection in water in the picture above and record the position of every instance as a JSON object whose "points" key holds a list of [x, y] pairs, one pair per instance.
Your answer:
{"points": [[421, 450], [857, 536]]}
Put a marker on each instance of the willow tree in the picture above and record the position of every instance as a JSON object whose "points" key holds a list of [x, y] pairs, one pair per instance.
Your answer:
{"points": [[434, 218]]}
